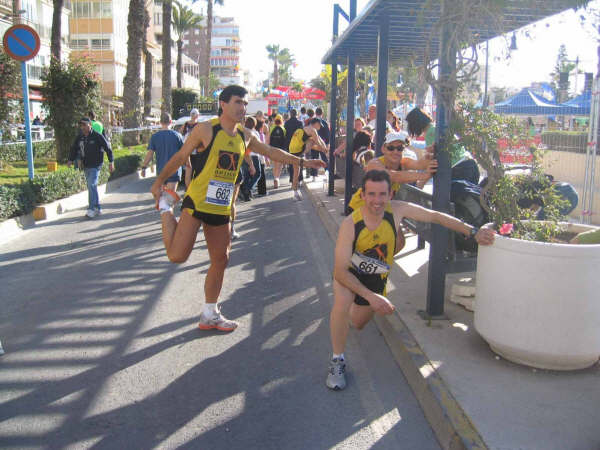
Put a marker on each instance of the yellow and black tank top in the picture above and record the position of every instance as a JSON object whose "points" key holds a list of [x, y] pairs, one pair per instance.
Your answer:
{"points": [[298, 140], [373, 251], [214, 172], [357, 202]]}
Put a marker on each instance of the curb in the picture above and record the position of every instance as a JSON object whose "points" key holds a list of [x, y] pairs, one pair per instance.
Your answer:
{"points": [[451, 425], [11, 228]]}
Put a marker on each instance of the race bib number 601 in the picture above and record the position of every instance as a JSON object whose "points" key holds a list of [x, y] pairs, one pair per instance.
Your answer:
{"points": [[219, 193]]}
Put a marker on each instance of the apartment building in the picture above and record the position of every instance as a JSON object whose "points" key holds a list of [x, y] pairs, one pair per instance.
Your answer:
{"points": [[38, 15], [225, 49]]}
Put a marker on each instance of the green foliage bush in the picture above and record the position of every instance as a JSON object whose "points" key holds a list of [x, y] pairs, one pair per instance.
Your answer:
{"points": [[71, 89], [18, 152], [180, 98], [20, 199]]}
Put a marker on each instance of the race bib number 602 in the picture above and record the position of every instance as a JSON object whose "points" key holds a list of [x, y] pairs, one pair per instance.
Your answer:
{"points": [[219, 193]]}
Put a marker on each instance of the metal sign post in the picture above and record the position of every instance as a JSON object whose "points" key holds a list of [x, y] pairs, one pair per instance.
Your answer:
{"points": [[21, 42]]}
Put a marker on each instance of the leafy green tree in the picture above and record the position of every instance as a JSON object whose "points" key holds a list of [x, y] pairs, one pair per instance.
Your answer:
{"points": [[10, 75], [71, 89], [184, 20], [286, 62], [181, 97], [56, 28], [562, 65]]}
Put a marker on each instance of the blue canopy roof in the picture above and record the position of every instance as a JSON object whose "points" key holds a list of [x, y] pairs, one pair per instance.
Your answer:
{"points": [[581, 104], [528, 103]]}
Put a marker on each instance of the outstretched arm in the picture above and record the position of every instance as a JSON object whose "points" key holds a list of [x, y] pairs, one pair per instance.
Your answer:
{"points": [[484, 236], [278, 155]]}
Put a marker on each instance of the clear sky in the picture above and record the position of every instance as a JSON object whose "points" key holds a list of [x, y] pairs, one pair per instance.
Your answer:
{"points": [[305, 27]]}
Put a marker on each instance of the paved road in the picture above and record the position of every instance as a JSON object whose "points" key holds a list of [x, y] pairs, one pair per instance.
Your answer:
{"points": [[102, 348]]}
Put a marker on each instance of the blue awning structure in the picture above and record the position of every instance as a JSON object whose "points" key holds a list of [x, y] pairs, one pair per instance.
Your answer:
{"points": [[529, 103], [580, 105]]}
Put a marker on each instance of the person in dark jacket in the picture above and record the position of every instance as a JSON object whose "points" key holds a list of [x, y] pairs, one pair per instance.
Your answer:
{"points": [[291, 125], [89, 147]]}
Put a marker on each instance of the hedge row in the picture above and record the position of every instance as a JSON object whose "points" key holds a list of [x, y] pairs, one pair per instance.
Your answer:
{"points": [[16, 200], [18, 152]]}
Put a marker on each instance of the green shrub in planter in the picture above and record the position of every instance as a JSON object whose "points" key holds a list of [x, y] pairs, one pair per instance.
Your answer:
{"points": [[18, 152], [20, 199], [16, 200]]}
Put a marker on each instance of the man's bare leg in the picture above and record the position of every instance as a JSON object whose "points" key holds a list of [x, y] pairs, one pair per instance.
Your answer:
{"points": [[340, 314], [179, 237], [218, 241]]}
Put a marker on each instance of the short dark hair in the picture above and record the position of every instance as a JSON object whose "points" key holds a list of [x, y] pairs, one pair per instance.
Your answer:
{"points": [[165, 118], [303, 110], [417, 120], [293, 113], [259, 124], [230, 91], [91, 115], [85, 120], [250, 122], [319, 111], [314, 120], [377, 176], [310, 113]]}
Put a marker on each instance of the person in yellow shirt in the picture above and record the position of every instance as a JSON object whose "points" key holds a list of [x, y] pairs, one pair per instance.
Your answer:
{"points": [[367, 241], [303, 139], [221, 144]]}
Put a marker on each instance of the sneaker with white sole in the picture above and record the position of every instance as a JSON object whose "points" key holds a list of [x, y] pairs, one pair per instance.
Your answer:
{"points": [[297, 196], [167, 200], [217, 322], [336, 378], [234, 235], [90, 214]]}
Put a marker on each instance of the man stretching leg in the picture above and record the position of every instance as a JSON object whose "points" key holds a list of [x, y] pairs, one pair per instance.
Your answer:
{"points": [[364, 254], [221, 144]]}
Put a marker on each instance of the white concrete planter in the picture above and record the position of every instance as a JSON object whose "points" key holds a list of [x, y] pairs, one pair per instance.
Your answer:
{"points": [[538, 304]]}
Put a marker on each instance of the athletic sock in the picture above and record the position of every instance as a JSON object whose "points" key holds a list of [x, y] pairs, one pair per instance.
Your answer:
{"points": [[339, 357], [210, 309]]}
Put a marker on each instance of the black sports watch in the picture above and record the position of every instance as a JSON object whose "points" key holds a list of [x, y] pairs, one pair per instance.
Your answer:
{"points": [[472, 232]]}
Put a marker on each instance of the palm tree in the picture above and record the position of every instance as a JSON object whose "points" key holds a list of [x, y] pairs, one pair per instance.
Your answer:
{"points": [[148, 64], [56, 27], [184, 19], [274, 51], [132, 104], [208, 40], [286, 61], [167, 101]]}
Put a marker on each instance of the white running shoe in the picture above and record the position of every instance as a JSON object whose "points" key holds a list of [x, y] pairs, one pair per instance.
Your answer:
{"points": [[297, 196], [167, 200], [90, 214], [218, 322], [234, 235]]}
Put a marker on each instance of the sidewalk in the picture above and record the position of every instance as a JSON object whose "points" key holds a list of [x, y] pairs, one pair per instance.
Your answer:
{"points": [[471, 397]]}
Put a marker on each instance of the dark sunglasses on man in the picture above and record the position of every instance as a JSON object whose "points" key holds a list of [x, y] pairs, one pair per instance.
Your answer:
{"points": [[395, 147]]}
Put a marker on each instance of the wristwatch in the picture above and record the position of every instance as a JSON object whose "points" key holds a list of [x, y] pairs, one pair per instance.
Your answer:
{"points": [[473, 231]]}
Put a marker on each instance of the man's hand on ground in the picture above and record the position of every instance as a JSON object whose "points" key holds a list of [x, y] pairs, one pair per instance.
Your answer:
{"points": [[380, 304]]}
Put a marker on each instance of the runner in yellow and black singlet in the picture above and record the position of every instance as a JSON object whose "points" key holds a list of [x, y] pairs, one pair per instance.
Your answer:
{"points": [[221, 144]]}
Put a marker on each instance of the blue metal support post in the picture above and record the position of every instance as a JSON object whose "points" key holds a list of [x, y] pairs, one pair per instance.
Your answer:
{"points": [[350, 116], [382, 76], [27, 124], [349, 128], [441, 183]]}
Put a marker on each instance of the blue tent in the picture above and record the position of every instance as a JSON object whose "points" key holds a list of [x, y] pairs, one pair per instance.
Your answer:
{"points": [[528, 103], [580, 105]]}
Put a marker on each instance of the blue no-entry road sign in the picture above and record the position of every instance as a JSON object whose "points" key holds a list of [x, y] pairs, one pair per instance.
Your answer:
{"points": [[21, 42]]}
